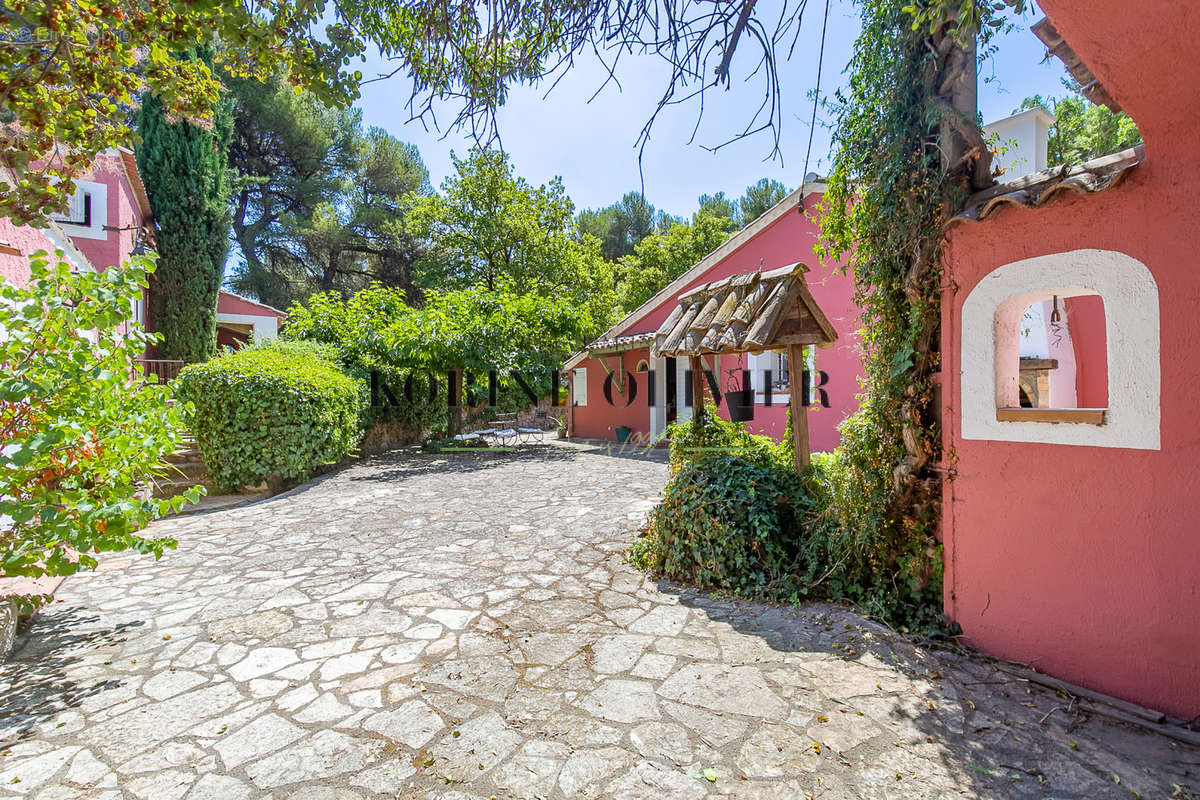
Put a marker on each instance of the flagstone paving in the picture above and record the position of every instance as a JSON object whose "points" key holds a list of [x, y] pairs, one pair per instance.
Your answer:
{"points": [[463, 626]]}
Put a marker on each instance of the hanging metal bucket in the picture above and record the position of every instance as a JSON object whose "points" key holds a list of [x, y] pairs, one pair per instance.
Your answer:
{"points": [[740, 404]]}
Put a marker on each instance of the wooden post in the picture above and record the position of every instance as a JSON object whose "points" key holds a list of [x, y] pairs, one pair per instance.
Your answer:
{"points": [[570, 414], [454, 423], [799, 409], [697, 391]]}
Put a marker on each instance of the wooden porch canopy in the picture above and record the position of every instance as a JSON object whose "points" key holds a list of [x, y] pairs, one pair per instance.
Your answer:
{"points": [[749, 313]]}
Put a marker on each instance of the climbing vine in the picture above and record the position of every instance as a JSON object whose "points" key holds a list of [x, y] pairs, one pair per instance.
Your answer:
{"points": [[908, 150], [185, 168]]}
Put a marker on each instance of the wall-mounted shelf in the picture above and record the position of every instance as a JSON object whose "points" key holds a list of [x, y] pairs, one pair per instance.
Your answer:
{"points": [[1087, 416]]}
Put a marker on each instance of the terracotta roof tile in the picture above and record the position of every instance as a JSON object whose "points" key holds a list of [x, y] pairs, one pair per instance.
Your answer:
{"points": [[1041, 188], [1058, 46]]}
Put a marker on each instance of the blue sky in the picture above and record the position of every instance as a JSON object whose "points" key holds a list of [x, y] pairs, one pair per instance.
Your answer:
{"points": [[592, 145]]}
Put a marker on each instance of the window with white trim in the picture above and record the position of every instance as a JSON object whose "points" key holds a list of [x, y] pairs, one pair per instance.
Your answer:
{"points": [[579, 386], [137, 311], [87, 212], [1117, 312]]}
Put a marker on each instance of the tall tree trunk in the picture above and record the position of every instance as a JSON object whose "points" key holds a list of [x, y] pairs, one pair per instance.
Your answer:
{"points": [[329, 274], [966, 160]]}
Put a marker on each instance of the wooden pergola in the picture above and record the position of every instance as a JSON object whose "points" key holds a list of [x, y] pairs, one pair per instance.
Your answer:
{"points": [[749, 313]]}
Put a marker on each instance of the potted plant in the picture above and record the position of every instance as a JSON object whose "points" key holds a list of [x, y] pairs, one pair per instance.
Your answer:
{"points": [[562, 427], [623, 432]]}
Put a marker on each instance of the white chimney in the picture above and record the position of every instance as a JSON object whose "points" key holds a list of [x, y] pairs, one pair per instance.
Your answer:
{"points": [[1020, 143]]}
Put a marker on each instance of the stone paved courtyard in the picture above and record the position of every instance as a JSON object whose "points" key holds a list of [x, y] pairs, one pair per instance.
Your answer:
{"points": [[463, 626]]}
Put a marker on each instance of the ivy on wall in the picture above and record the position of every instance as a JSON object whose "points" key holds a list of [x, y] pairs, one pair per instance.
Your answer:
{"points": [[908, 150], [185, 168]]}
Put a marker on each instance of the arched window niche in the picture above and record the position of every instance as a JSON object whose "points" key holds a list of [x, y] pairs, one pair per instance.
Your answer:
{"points": [[992, 318]]}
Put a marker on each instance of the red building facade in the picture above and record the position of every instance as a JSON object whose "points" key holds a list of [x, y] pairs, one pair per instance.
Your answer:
{"points": [[616, 383], [1070, 534]]}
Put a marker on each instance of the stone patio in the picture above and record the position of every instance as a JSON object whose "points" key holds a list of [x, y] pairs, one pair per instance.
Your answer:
{"points": [[464, 626]]}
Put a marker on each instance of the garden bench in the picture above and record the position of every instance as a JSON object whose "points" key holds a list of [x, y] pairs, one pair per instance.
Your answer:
{"points": [[505, 436], [527, 435]]}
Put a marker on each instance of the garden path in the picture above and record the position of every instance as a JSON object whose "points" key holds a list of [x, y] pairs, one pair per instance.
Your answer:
{"points": [[464, 626]]}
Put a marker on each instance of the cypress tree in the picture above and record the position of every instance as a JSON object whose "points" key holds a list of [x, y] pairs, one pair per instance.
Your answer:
{"points": [[185, 169]]}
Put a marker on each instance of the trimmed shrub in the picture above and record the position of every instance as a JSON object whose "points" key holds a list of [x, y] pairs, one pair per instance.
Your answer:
{"points": [[299, 348], [273, 412], [732, 513]]}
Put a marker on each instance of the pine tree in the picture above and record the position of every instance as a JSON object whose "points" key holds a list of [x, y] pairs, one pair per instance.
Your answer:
{"points": [[184, 167]]}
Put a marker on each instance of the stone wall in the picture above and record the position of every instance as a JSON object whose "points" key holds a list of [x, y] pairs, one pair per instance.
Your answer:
{"points": [[389, 435]]}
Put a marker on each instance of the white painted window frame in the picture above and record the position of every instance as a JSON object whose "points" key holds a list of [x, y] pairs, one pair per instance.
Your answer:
{"points": [[99, 194], [579, 386], [989, 327]]}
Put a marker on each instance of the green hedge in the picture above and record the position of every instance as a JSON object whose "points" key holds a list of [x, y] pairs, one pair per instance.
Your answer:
{"points": [[736, 517], [299, 348], [732, 514], [272, 412]]}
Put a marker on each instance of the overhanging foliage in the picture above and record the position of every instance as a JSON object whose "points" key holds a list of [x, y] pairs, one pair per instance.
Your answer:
{"points": [[80, 438], [908, 150]]}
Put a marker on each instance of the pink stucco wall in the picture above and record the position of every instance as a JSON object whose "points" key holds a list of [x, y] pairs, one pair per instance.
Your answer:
{"points": [[232, 304], [1089, 342], [1064, 391], [1082, 560], [788, 240], [15, 269], [123, 213], [599, 420], [123, 218]]}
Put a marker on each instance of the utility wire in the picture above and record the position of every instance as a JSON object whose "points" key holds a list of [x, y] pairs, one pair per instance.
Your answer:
{"points": [[812, 125]]}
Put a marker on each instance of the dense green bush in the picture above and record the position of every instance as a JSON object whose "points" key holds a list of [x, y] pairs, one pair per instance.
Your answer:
{"points": [[299, 348], [272, 412], [732, 513], [736, 517], [887, 564], [79, 441]]}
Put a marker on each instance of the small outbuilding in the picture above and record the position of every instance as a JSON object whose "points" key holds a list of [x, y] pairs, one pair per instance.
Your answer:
{"points": [[618, 388], [750, 313]]}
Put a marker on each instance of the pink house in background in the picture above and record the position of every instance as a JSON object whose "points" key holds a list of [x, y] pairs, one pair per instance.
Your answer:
{"points": [[239, 319], [614, 382], [108, 220], [1069, 526]]}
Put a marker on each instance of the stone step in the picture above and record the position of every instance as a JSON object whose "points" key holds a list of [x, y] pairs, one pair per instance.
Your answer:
{"points": [[191, 469], [168, 487], [185, 455]]}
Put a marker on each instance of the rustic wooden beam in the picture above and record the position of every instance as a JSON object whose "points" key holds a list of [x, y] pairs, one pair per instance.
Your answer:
{"points": [[618, 374], [797, 338], [799, 410], [1112, 707], [697, 391], [570, 403]]}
